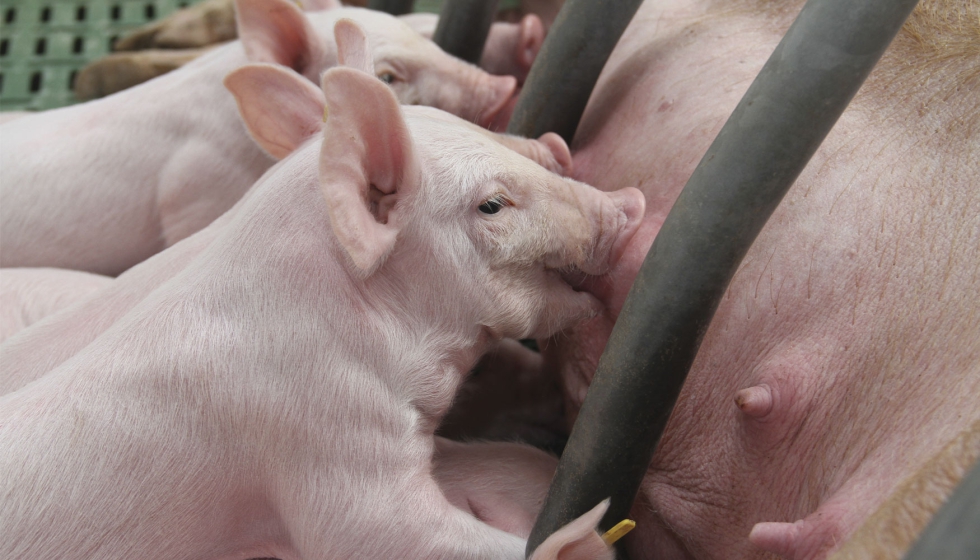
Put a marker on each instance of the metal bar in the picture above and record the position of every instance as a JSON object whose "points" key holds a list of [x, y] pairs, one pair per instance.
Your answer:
{"points": [[463, 27], [797, 97], [952, 534], [393, 7], [568, 65]]}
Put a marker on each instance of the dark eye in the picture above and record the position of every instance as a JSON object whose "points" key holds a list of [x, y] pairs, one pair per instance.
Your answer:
{"points": [[492, 205], [386, 77]]}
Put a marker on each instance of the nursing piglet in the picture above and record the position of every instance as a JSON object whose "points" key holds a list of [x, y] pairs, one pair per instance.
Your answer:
{"points": [[103, 185], [278, 396]]}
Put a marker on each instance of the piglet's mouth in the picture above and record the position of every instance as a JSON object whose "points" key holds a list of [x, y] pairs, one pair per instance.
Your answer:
{"points": [[596, 285]]}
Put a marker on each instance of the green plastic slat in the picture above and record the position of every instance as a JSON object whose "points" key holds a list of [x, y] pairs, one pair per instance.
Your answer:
{"points": [[42, 44]]}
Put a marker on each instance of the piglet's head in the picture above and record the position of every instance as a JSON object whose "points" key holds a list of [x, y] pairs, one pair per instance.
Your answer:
{"points": [[479, 229], [419, 72]]}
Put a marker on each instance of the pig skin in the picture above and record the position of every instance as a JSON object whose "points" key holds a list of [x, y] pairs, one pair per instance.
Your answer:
{"points": [[278, 396], [103, 185], [851, 323], [27, 295]]}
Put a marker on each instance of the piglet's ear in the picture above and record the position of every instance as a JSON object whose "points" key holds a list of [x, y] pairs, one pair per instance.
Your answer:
{"points": [[578, 540], [352, 46], [281, 109], [529, 42], [276, 31], [317, 5], [367, 165]]}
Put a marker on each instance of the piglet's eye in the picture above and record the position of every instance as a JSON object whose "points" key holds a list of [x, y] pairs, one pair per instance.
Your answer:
{"points": [[386, 77], [493, 205]]}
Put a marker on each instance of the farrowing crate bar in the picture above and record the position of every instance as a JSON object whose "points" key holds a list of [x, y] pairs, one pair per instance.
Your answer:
{"points": [[772, 133]]}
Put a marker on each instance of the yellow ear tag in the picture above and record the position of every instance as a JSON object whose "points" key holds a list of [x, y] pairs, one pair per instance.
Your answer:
{"points": [[299, 3], [618, 531], [324, 113]]}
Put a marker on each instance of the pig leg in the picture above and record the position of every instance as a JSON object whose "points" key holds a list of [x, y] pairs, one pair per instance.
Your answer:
{"points": [[123, 480], [501, 484], [436, 529], [27, 295]]}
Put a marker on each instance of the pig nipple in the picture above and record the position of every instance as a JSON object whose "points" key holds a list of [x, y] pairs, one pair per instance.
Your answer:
{"points": [[754, 402]]}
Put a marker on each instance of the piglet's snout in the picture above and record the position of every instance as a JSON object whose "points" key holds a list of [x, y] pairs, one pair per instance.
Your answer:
{"points": [[632, 205], [614, 220]]}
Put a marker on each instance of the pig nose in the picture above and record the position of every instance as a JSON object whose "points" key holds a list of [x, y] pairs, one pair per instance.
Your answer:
{"points": [[501, 89], [617, 219], [632, 204]]}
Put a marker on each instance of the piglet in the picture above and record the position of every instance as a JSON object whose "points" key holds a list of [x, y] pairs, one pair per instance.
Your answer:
{"points": [[27, 295], [278, 396], [103, 185]]}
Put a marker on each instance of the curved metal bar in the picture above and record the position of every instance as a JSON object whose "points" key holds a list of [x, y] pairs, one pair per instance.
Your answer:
{"points": [[797, 97], [952, 534], [568, 65], [463, 27], [393, 7]]}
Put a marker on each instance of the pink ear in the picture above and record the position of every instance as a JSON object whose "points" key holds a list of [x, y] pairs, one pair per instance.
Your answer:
{"points": [[317, 5], [531, 39], [556, 144], [281, 109], [367, 165], [276, 31], [578, 540], [352, 46]]}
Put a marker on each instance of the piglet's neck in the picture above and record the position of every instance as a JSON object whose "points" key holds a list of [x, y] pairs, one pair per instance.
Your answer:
{"points": [[383, 327]]}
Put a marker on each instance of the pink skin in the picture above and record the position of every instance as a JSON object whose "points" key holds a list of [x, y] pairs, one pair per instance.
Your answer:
{"points": [[27, 295], [36, 351], [849, 333], [510, 50], [504, 485], [171, 155], [370, 253], [512, 47], [501, 484]]}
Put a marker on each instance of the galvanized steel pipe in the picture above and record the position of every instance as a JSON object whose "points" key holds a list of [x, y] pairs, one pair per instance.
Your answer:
{"points": [[797, 97], [568, 65], [463, 27]]}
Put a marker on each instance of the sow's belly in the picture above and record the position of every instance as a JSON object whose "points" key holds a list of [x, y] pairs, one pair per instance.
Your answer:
{"points": [[847, 337]]}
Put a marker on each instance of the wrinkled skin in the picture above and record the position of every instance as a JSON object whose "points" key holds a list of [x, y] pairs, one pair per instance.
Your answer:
{"points": [[365, 251], [103, 185], [846, 351]]}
